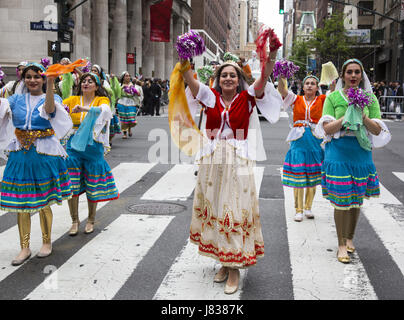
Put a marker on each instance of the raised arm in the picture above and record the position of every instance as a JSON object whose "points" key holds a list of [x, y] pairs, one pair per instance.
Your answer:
{"points": [[186, 71], [50, 98], [283, 90], [259, 84]]}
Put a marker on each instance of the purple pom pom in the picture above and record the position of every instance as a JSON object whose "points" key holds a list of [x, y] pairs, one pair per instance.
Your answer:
{"points": [[45, 62], [87, 67], [359, 98], [189, 45], [285, 69]]}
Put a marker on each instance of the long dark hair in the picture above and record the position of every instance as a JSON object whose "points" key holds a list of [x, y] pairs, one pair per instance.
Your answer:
{"points": [[100, 92], [240, 75], [37, 70]]}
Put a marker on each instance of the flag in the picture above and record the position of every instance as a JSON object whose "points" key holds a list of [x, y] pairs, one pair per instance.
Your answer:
{"points": [[160, 17]]}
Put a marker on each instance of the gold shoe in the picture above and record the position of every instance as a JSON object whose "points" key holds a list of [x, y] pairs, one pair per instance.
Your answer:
{"points": [[232, 289], [89, 228], [345, 259], [221, 277], [350, 250], [74, 230], [44, 255], [17, 262]]}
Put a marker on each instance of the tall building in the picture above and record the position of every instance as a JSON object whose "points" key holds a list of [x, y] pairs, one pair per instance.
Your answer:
{"points": [[233, 40], [104, 31], [249, 26], [210, 19]]}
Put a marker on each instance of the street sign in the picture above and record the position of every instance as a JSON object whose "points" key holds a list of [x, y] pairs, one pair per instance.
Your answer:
{"points": [[65, 36], [65, 47], [53, 47], [130, 58], [44, 26]]}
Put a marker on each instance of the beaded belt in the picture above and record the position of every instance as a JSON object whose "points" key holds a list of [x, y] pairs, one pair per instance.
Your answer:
{"points": [[28, 137]]}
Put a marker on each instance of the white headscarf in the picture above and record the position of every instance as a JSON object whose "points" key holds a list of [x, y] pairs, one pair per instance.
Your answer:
{"points": [[365, 83]]}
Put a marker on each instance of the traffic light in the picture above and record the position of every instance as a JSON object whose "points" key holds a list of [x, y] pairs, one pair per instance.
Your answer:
{"points": [[281, 6]]}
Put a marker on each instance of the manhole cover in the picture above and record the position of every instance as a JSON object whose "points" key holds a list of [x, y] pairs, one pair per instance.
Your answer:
{"points": [[156, 208]]}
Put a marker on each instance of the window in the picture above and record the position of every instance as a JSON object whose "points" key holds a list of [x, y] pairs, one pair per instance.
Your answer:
{"points": [[366, 5]]}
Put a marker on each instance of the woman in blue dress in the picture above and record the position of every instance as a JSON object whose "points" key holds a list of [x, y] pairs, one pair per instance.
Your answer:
{"points": [[36, 174]]}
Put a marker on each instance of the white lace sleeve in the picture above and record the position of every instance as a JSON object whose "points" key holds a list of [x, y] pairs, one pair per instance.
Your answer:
{"points": [[384, 136], [61, 122], [6, 126], [193, 104], [289, 101], [320, 132], [270, 104], [206, 96]]}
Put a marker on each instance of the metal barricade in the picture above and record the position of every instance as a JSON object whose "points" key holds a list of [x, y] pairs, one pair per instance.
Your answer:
{"points": [[391, 106]]}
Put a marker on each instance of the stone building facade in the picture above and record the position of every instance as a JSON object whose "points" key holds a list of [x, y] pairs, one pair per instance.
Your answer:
{"points": [[104, 31]]}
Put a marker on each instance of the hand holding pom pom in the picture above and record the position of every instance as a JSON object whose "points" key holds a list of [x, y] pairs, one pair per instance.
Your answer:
{"points": [[189, 45]]}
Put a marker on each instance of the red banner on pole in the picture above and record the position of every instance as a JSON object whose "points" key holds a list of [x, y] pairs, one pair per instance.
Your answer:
{"points": [[160, 17]]}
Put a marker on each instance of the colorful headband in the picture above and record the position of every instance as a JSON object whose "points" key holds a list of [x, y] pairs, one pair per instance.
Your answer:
{"points": [[97, 78], [353, 61], [34, 64], [311, 76]]}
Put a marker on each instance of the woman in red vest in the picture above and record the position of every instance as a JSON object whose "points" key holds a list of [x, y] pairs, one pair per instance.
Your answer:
{"points": [[302, 166], [225, 219]]}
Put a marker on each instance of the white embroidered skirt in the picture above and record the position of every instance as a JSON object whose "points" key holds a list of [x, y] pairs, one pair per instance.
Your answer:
{"points": [[225, 218]]}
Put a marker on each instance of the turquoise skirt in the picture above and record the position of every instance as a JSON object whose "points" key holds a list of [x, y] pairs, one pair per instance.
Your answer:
{"points": [[348, 174], [32, 181], [90, 173], [302, 166]]}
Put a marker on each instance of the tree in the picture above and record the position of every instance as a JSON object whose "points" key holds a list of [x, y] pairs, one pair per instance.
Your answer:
{"points": [[331, 43], [300, 53]]}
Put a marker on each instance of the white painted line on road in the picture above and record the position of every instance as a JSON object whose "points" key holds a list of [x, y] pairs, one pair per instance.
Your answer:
{"points": [[191, 278], [101, 267], [125, 174], [259, 175], [1, 172], [177, 184], [316, 272], [386, 197], [399, 175]]}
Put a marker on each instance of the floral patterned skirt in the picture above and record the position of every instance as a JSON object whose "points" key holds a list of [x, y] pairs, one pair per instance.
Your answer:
{"points": [[225, 217]]}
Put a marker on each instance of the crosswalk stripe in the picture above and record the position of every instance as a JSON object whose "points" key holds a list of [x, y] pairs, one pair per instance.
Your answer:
{"points": [[259, 175], [386, 197], [176, 185], [179, 182], [191, 278], [191, 271], [99, 269], [1, 172], [389, 230], [312, 245], [125, 175], [399, 175]]}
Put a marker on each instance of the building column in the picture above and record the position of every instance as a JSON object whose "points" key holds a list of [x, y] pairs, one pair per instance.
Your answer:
{"points": [[159, 60], [119, 38], [99, 34], [148, 46], [169, 64], [135, 34], [178, 29]]}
